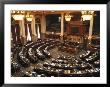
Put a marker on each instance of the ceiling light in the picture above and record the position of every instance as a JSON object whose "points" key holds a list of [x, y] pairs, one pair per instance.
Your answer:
{"points": [[87, 15], [18, 17], [29, 17], [68, 17]]}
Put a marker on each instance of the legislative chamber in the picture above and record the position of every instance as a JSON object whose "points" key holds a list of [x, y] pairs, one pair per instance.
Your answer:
{"points": [[55, 43]]}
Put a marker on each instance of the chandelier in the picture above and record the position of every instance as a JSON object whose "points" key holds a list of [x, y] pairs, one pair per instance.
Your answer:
{"points": [[29, 17], [68, 17], [18, 15], [87, 15]]}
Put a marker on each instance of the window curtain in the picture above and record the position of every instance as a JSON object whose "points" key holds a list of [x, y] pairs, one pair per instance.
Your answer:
{"points": [[17, 33], [13, 33], [30, 30]]}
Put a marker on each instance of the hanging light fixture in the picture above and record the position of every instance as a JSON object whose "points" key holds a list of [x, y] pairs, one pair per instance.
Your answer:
{"points": [[29, 17], [18, 15], [87, 15], [68, 17]]}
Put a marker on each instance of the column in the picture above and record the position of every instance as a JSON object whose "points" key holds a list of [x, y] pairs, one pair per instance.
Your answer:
{"points": [[12, 44], [62, 26], [34, 35], [13, 34], [43, 26], [90, 30], [22, 31]]}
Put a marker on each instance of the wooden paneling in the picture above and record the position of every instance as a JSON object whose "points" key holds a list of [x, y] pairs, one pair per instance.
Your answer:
{"points": [[78, 24]]}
